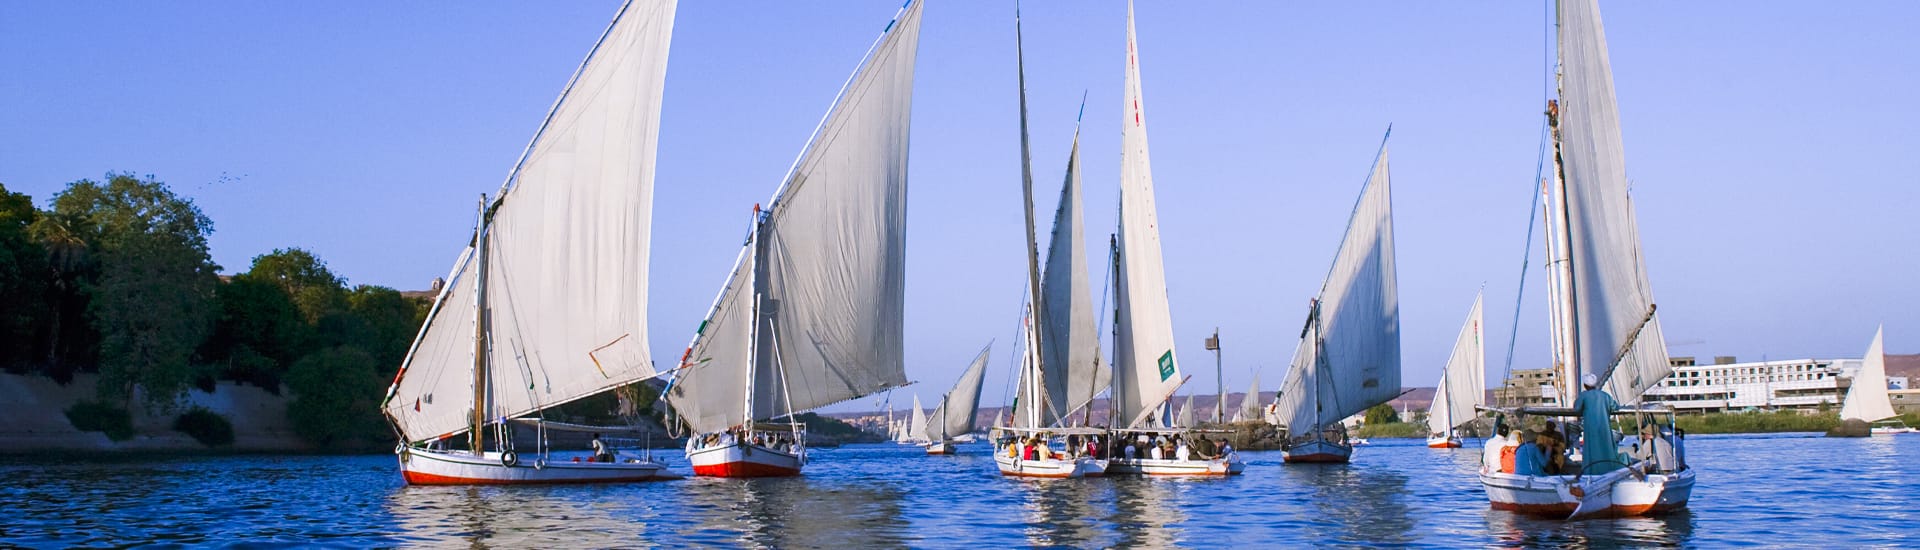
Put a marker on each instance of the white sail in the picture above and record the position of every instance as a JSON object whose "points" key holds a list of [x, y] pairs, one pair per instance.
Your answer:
{"points": [[917, 424], [1610, 294], [1071, 351], [1867, 397], [828, 263], [1349, 359], [1463, 381], [1145, 369], [953, 417], [568, 243], [1250, 404], [1185, 418]]}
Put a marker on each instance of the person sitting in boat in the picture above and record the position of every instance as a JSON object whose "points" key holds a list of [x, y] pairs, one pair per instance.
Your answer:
{"points": [[1130, 451], [1181, 451], [1531, 457], [600, 451], [1490, 454], [1655, 448], [1596, 409], [1203, 448], [1092, 448], [1557, 461], [1226, 448]]}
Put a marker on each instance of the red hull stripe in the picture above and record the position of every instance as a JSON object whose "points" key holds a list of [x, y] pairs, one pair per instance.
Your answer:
{"points": [[1054, 476], [1561, 510], [420, 478], [743, 469], [1443, 445]]}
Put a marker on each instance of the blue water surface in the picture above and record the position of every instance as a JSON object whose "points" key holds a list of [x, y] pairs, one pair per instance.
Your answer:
{"points": [[1771, 490]]}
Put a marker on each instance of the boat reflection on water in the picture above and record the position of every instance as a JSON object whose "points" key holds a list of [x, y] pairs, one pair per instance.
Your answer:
{"points": [[1356, 504], [795, 512], [521, 516], [1148, 512], [771, 512], [1514, 530], [1068, 512]]}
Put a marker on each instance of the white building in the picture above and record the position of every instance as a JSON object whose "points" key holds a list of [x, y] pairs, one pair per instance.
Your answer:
{"points": [[1731, 386]]}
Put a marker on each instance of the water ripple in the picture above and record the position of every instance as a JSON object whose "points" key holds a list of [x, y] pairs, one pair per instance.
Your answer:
{"points": [[1779, 490]]}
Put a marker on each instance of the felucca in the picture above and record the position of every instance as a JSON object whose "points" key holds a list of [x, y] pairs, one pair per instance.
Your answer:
{"points": [[548, 302], [917, 424], [1348, 359], [953, 418], [1600, 302], [1060, 371], [1462, 387], [1145, 370], [1867, 399], [811, 314]]}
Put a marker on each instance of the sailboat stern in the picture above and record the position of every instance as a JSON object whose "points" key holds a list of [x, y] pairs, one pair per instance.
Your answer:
{"points": [[735, 459], [1552, 496], [1318, 451]]}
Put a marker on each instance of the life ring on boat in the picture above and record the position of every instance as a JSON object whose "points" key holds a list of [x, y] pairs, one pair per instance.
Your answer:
{"points": [[510, 459], [540, 464]]}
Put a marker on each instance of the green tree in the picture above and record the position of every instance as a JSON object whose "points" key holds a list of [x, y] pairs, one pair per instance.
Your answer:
{"points": [[258, 333], [337, 393], [315, 290], [23, 281], [152, 306], [146, 277], [1382, 414], [69, 339], [378, 320]]}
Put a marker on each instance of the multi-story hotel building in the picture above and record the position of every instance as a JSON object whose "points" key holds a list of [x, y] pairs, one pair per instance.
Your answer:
{"points": [[1727, 385]]}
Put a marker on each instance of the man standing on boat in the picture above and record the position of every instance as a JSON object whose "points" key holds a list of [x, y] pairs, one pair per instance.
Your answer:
{"points": [[1595, 406]]}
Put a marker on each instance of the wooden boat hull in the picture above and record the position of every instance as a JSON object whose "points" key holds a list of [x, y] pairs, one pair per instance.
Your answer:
{"points": [[1551, 496], [1318, 452], [1050, 468], [1230, 466], [743, 460], [1443, 443], [424, 467]]}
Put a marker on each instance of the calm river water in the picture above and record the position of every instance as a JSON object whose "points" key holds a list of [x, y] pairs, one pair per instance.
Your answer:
{"points": [[1793, 490]]}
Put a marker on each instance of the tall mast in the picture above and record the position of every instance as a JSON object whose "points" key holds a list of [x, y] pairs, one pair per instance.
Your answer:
{"points": [[477, 436], [1118, 382], [1026, 196], [1570, 324], [753, 334]]}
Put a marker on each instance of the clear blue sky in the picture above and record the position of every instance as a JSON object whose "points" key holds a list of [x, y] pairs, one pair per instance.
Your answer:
{"points": [[1771, 145]]}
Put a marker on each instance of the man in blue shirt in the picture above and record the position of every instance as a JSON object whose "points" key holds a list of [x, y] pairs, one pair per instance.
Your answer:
{"points": [[1531, 458]]}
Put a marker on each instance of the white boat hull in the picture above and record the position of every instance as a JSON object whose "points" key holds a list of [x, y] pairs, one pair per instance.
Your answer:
{"points": [[1443, 442], [1552, 496], [1318, 451], [1052, 467], [744, 460], [941, 448], [1231, 465], [424, 467], [1893, 430]]}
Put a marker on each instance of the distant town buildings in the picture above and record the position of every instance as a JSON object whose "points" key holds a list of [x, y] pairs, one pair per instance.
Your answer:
{"points": [[1528, 388], [1729, 385]]}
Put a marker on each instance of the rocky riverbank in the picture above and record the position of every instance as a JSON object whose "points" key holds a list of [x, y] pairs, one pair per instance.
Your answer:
{"points": [[36, 419]]}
